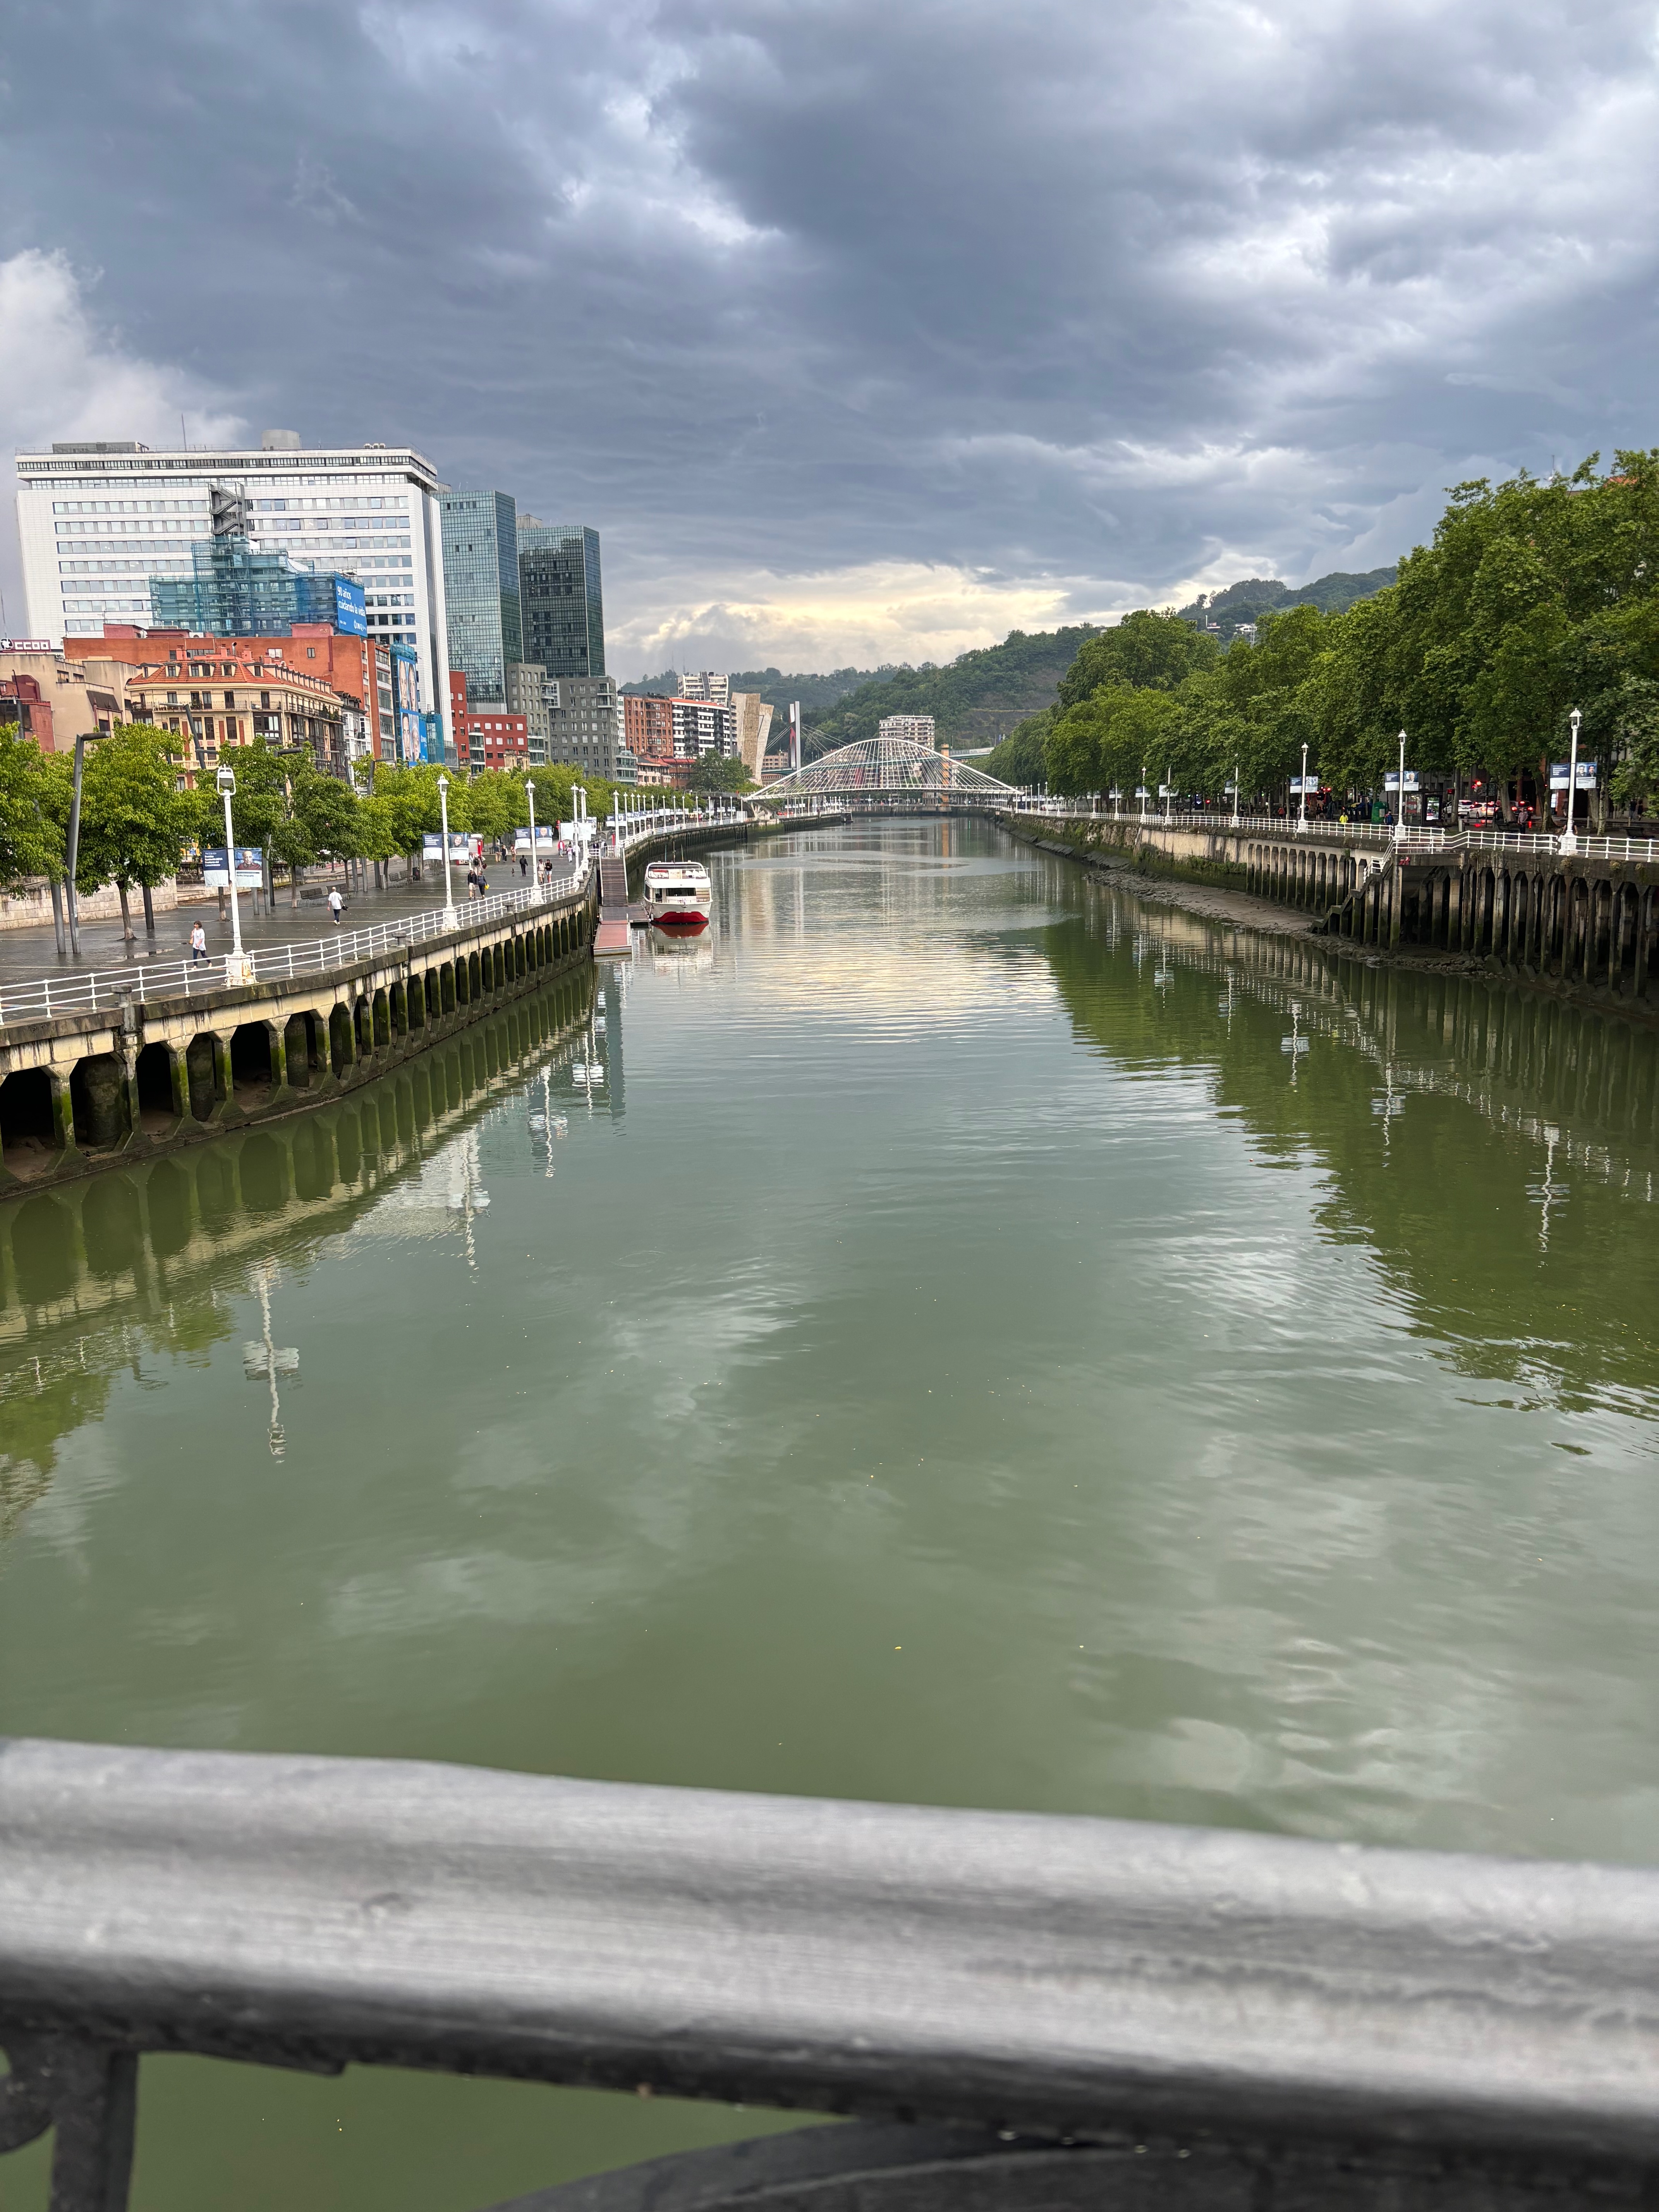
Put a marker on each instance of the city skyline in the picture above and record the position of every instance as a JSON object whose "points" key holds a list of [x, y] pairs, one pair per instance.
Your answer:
{"points": [[858, 337]]}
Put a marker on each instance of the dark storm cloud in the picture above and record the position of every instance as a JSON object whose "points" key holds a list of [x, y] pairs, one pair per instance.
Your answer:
{"points": [[1103, 301]]}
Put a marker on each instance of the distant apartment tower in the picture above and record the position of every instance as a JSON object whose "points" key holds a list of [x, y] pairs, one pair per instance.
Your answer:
{"points": [[702, 727], [914, 729], [586, 720], [101, 522], [561, 596], [530, 693], [480, 584], [705, 684]]}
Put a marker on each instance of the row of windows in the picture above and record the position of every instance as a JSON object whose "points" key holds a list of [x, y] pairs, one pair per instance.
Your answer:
{"points": [[308, 505], [129, 507], [152, 527]]}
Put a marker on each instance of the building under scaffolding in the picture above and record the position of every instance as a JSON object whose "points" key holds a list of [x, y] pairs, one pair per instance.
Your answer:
{"points": [[237, 591]]}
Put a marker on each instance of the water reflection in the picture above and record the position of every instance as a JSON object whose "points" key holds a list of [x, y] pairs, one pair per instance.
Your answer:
{"points": [[146, 1263], [1488, 1143]]}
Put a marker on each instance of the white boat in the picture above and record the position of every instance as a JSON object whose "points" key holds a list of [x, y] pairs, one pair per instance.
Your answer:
{"points": [[679, 896]]}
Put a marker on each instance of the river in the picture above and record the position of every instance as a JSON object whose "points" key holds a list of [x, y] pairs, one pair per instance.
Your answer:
{"points": [[984, 1341]]}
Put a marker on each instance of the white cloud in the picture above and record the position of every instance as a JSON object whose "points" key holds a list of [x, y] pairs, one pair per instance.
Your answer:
{"points": [[64, 376], [860, 617]]}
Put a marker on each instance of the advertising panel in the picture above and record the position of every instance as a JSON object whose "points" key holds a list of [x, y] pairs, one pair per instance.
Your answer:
{"points": [[1559, 771], [250, 867], [545, 840], [463, 846], [1391, 780]]}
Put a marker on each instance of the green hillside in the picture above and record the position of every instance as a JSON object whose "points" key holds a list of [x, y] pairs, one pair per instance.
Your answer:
{"points": [[972, 701], [1252, 597]]}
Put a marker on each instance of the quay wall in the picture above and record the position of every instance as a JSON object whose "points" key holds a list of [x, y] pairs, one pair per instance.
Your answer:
{"points": [[83, 1091], [1586, 925]]}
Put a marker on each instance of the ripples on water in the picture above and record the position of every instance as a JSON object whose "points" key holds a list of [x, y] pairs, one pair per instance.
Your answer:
{"points": [[985, 1341]]}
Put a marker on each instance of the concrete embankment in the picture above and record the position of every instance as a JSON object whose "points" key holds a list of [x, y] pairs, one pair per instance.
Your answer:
{"points": [[85, 1090], [1584, 927]]}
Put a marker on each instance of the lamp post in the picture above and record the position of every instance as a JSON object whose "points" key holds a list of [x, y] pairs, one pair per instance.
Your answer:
{"points": [[237, 967], [1399, 797], [1568, 844], [1238, 779], [443, 811], [529, 793], [1302, 821]]}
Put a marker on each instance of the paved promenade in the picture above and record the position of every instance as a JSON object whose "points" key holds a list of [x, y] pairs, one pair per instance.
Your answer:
{"points": [[27, 953]]}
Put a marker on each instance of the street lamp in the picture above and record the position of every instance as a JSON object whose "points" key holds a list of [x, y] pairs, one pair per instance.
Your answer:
{"points": [[1302, 822], [237, 967], [1237, 779], [1399, 797], [529, 793], [443, 811], [1568, 844]]}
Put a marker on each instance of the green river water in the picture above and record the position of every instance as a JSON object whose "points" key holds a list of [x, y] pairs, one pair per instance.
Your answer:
{"points": [[986, 1341]]}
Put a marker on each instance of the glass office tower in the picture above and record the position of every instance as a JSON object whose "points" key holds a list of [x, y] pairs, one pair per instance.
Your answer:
{"points": [[481, 589], [564, 605]]}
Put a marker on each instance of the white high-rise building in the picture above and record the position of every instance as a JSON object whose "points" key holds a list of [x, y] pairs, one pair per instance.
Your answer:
{"points": [[914, 729], [97, 521], [706, 684]]}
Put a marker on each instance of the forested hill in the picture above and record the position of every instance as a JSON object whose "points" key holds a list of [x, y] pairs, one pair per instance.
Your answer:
{"points": [[1255, 596], [972, 701]]}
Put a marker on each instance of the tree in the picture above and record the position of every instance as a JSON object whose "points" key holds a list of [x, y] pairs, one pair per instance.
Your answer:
{"points": [[1147, 651], [714, 775], [132, 821], [31, 832]]}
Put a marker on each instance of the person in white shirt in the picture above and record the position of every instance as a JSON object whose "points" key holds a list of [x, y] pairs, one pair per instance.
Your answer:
{"points": [[335, 906]]}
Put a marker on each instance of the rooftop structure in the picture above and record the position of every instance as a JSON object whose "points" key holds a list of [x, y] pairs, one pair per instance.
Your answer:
{"points": [[252, 697]]}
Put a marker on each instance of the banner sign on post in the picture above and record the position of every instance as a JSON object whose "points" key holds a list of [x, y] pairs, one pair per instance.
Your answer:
{"points": [[1166, 791], [250, 867], [461, 846], [1114, 794], [1142, 792], [1311, 783], [1391, 780], [578, 833], [545, 840], [1586, 775]]}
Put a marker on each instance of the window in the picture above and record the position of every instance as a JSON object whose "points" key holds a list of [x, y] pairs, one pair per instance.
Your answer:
{"points": [[311, 652], [230, 698]]}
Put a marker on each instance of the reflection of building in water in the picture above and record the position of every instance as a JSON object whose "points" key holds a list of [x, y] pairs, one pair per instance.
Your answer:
{"points": [[104, 1275]]}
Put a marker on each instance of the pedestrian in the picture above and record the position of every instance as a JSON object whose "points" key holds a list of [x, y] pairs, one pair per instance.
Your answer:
{"points": [[336, 903], [524, 864], [197, 943]]}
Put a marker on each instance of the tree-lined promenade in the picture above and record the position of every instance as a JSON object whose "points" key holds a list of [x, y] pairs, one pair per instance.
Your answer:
{"points": [[137, 826], [1534, 598]]}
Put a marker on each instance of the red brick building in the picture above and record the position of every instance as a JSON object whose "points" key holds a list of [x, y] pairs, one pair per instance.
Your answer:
{"points": [[359, 668], [496, 738]]}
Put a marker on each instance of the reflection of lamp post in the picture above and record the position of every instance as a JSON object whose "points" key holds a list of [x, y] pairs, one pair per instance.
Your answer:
{"points": [[443, 812], [238, 967], [1568, 844], [530, 794]]}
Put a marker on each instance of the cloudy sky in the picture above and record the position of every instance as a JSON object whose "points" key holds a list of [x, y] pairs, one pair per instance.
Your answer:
{"points": [[861, 331]]}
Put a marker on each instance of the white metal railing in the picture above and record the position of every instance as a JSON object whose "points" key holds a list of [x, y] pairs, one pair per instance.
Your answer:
{"points": [[1414, 836], [143, 981]]}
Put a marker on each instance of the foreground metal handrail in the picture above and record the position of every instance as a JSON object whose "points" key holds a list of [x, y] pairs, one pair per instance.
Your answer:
{"points": [[1418, 837], [1062, 1976]]}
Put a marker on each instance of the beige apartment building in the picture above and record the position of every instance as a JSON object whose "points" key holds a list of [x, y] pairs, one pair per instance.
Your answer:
{"points": [[54, 700], [250, 698]]}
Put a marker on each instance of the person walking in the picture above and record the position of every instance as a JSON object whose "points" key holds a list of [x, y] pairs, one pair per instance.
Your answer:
{"points": [[197, 943], [336, 903]]}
